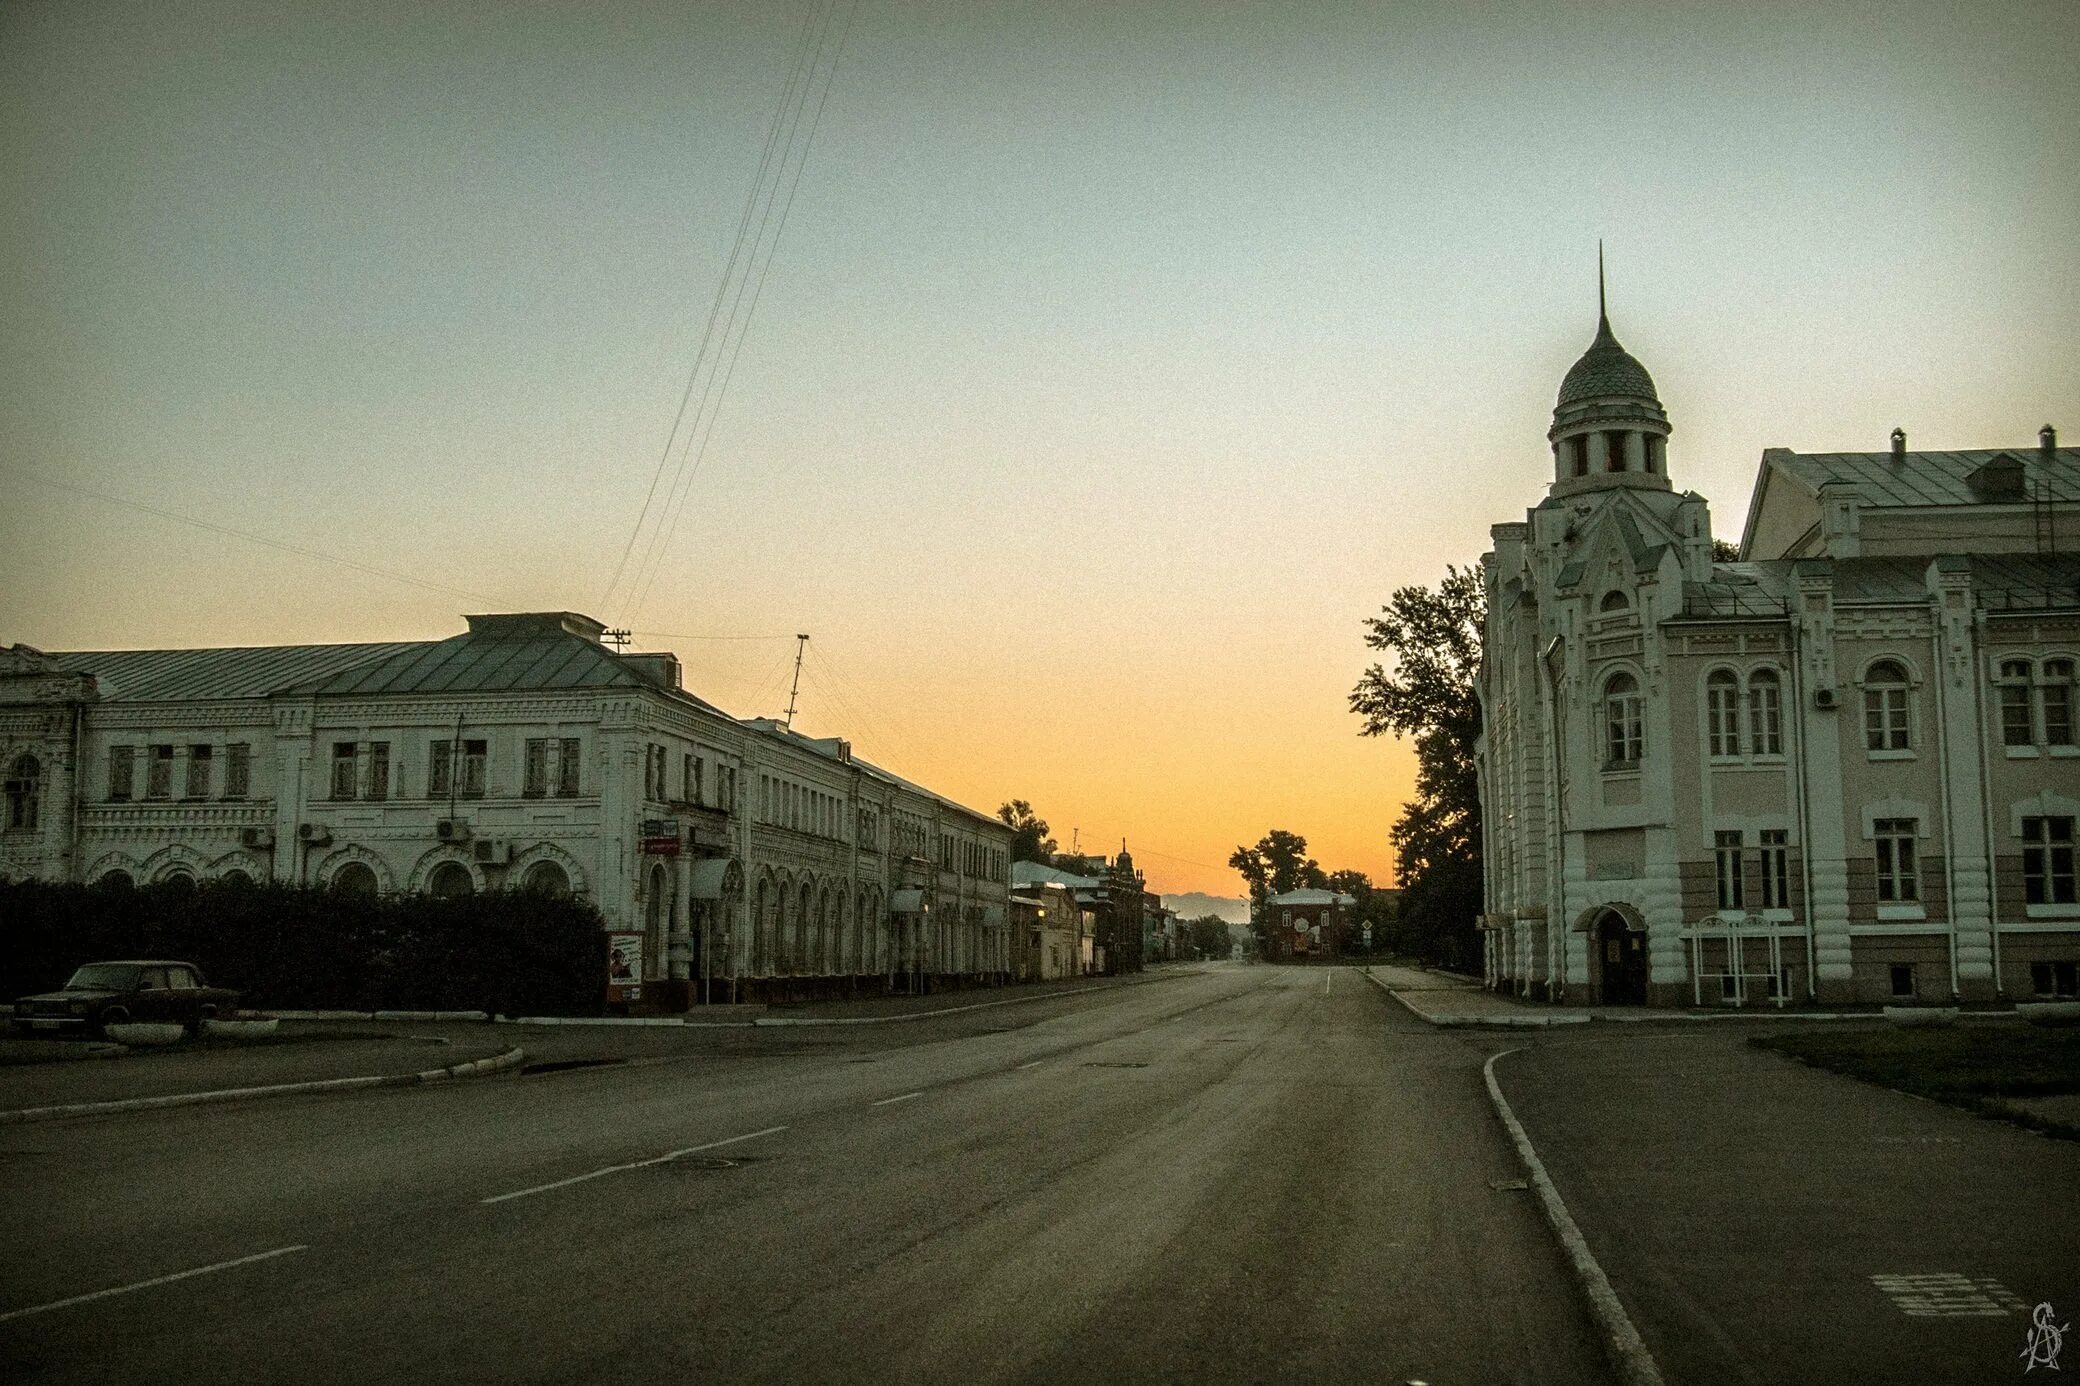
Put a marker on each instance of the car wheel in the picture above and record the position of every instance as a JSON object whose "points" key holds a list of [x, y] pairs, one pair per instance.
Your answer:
{"points": [[113, 1015]]}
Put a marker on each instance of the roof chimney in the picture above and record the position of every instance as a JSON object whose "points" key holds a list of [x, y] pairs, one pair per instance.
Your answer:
{"points": [[1899, 445], [2047, 443]]}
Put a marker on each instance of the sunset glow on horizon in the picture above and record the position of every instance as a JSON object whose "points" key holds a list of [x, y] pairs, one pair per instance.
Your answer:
{"points": [[1117, 360]]}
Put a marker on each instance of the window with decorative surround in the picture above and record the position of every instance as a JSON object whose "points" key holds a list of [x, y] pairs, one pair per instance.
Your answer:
{"points": [[2047, 861], [1624, 736], [1885, 726], [1899, 877]]}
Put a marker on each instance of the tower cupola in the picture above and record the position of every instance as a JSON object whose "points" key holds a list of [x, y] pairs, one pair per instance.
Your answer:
{"points": [[1609, 429]]}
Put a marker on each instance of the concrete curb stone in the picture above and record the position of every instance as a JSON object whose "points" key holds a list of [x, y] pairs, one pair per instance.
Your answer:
{"points": [[496, 1063]]}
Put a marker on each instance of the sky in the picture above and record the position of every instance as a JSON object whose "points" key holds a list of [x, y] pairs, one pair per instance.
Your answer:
{"points": [[1095, 370]]}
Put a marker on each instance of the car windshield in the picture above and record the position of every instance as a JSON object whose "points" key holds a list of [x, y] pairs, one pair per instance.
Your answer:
{"points": [[106, 976]]}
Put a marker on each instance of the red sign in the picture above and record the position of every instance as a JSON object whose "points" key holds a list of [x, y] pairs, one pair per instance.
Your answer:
{"points": [[660, 846]]}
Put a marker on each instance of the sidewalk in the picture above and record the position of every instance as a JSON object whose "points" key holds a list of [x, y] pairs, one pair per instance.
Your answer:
{"points": [[1766, 1222], [300, 1052], [1448, 1000]]}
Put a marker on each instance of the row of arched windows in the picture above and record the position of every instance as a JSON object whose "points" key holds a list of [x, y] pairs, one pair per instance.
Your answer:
{"points": [[805, 930], [1744, 713]]}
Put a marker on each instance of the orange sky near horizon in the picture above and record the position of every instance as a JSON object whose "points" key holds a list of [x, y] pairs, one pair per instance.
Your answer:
{"points": [[1116, 361]]}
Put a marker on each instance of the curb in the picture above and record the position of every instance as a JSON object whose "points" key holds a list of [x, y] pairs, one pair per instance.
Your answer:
{"points": [[1538, 1020], [1621, 1341], [496, 1063]]}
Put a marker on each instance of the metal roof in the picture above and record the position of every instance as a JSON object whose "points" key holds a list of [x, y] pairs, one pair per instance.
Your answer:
{"points": [[1927, 478], [1606, 368], [473, 663], [165, 676], [2000, 582]]}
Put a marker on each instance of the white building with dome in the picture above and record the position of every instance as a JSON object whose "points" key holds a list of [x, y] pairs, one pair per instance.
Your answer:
{"points": [[1842, 769]]}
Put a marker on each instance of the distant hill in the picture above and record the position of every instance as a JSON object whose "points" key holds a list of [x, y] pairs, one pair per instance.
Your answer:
{"points": [[1232, 909]]}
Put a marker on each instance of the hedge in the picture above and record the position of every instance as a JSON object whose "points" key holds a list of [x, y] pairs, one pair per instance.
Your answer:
{"points": [[300, 948]]}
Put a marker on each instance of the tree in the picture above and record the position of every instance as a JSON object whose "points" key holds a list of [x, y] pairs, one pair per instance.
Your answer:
{"points": [[1276, 864], [1723, 552], [1428, 696], [1029, 839], [1209, 935]]}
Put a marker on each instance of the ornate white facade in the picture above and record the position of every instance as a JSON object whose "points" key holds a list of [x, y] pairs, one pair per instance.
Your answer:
{"points": [[751, 859], [1842, 769]]}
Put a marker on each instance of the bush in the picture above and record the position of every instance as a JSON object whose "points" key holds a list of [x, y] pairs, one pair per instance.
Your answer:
{"points": [[299, 948]]}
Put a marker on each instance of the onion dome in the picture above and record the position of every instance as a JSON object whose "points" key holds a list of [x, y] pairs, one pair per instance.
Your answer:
{"points": [[1606, 369]]}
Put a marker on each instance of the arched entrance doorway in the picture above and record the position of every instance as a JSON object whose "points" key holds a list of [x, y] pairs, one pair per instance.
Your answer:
{"points": [[1622, 954]]}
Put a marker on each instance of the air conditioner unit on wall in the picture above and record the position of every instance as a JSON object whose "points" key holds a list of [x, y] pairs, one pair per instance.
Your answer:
{"points": [[1826, 698], [451, 830], [256, 837], [317, 834], [492, 853]]}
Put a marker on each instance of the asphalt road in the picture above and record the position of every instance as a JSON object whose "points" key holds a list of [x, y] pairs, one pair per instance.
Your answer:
{"points": [[1235, 1174]]}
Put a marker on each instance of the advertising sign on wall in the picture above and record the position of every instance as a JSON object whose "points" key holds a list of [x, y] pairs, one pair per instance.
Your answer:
{"points": [[624, 967]]}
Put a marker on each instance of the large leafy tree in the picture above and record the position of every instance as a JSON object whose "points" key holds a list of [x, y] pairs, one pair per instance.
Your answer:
{"points": [[1029, 839], [1209, 934], [1433, 638], [1276, 863]]}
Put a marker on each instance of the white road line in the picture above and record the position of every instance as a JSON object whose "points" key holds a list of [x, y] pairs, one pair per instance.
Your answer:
{"points": [[1326, 979], [665, 1158], [148, 1284], [1622, 1342], [1034, 1064], [904, 1098]]}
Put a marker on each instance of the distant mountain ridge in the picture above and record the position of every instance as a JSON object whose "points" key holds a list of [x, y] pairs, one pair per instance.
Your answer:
{"points": [[1234, 909]]}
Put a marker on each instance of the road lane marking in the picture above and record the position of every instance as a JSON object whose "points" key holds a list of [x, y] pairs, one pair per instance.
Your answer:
{"points": [[148, 1284], [1326, 979], [665, 1158], [904, 1098], [1034, 1064]]}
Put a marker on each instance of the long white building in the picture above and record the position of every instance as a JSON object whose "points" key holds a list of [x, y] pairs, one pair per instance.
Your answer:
{"points": [[732, 857], [1841, 769]]}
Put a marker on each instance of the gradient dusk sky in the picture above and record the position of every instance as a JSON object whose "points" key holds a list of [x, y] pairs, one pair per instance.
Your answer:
{"points": [[1116, 361]]}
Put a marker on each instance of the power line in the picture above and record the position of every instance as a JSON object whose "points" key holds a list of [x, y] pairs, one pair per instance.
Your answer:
{"points": [[251, 537], [670, 635], [693, 456], [794, 73]]}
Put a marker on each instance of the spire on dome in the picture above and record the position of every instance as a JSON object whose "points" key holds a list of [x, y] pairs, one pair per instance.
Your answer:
{"points": [[1603, 316]]}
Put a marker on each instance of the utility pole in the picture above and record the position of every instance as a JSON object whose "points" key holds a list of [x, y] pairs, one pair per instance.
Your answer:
{"points": [[801, 648]]}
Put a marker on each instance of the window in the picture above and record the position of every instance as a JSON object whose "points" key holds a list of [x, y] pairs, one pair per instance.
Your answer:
{"points": [[440, 769], [1623, 740], [1903, 979], [567, 768], [690, 779], [2055, 693], [1614, 601], [1722, 700], [474, 755], [24, 792], [1726, 856], [378, 769], [122, 773], [534, 774], [238, 770], [1765, 713], [1614, 451], [2016, 728], [200, 763], [1899, 881], [342, 769], [158, 774], [2054, 979], [2047, 861], [727, 776], [1885, 707], [1775, 856]]}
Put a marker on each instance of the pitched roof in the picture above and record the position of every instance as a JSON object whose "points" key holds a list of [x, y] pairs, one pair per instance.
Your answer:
{"points": [[1312, 897], [254, 671], [2008, 581], [474, 663], [1924, 478]]}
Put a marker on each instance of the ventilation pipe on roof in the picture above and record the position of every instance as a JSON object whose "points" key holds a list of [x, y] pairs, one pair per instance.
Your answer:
{"points": [[2047, 443], [1899, 446]]}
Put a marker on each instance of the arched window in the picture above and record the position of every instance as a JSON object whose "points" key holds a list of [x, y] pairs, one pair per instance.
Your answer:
{"points": [[117, 880], [235, 879], [2036, 702], [758, 928], [24, 793], [1614, 601], [1624, 738], [359, 878], [1885, 707], [546, 878], [2016, 713], [450, 880], [1722, 701], [1765, 713], [2055, 695], [1578, 448], [1614, 451]]}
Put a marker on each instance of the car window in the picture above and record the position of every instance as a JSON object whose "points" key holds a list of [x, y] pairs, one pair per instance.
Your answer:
{"points": [[151, 979], [181, 979]]}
